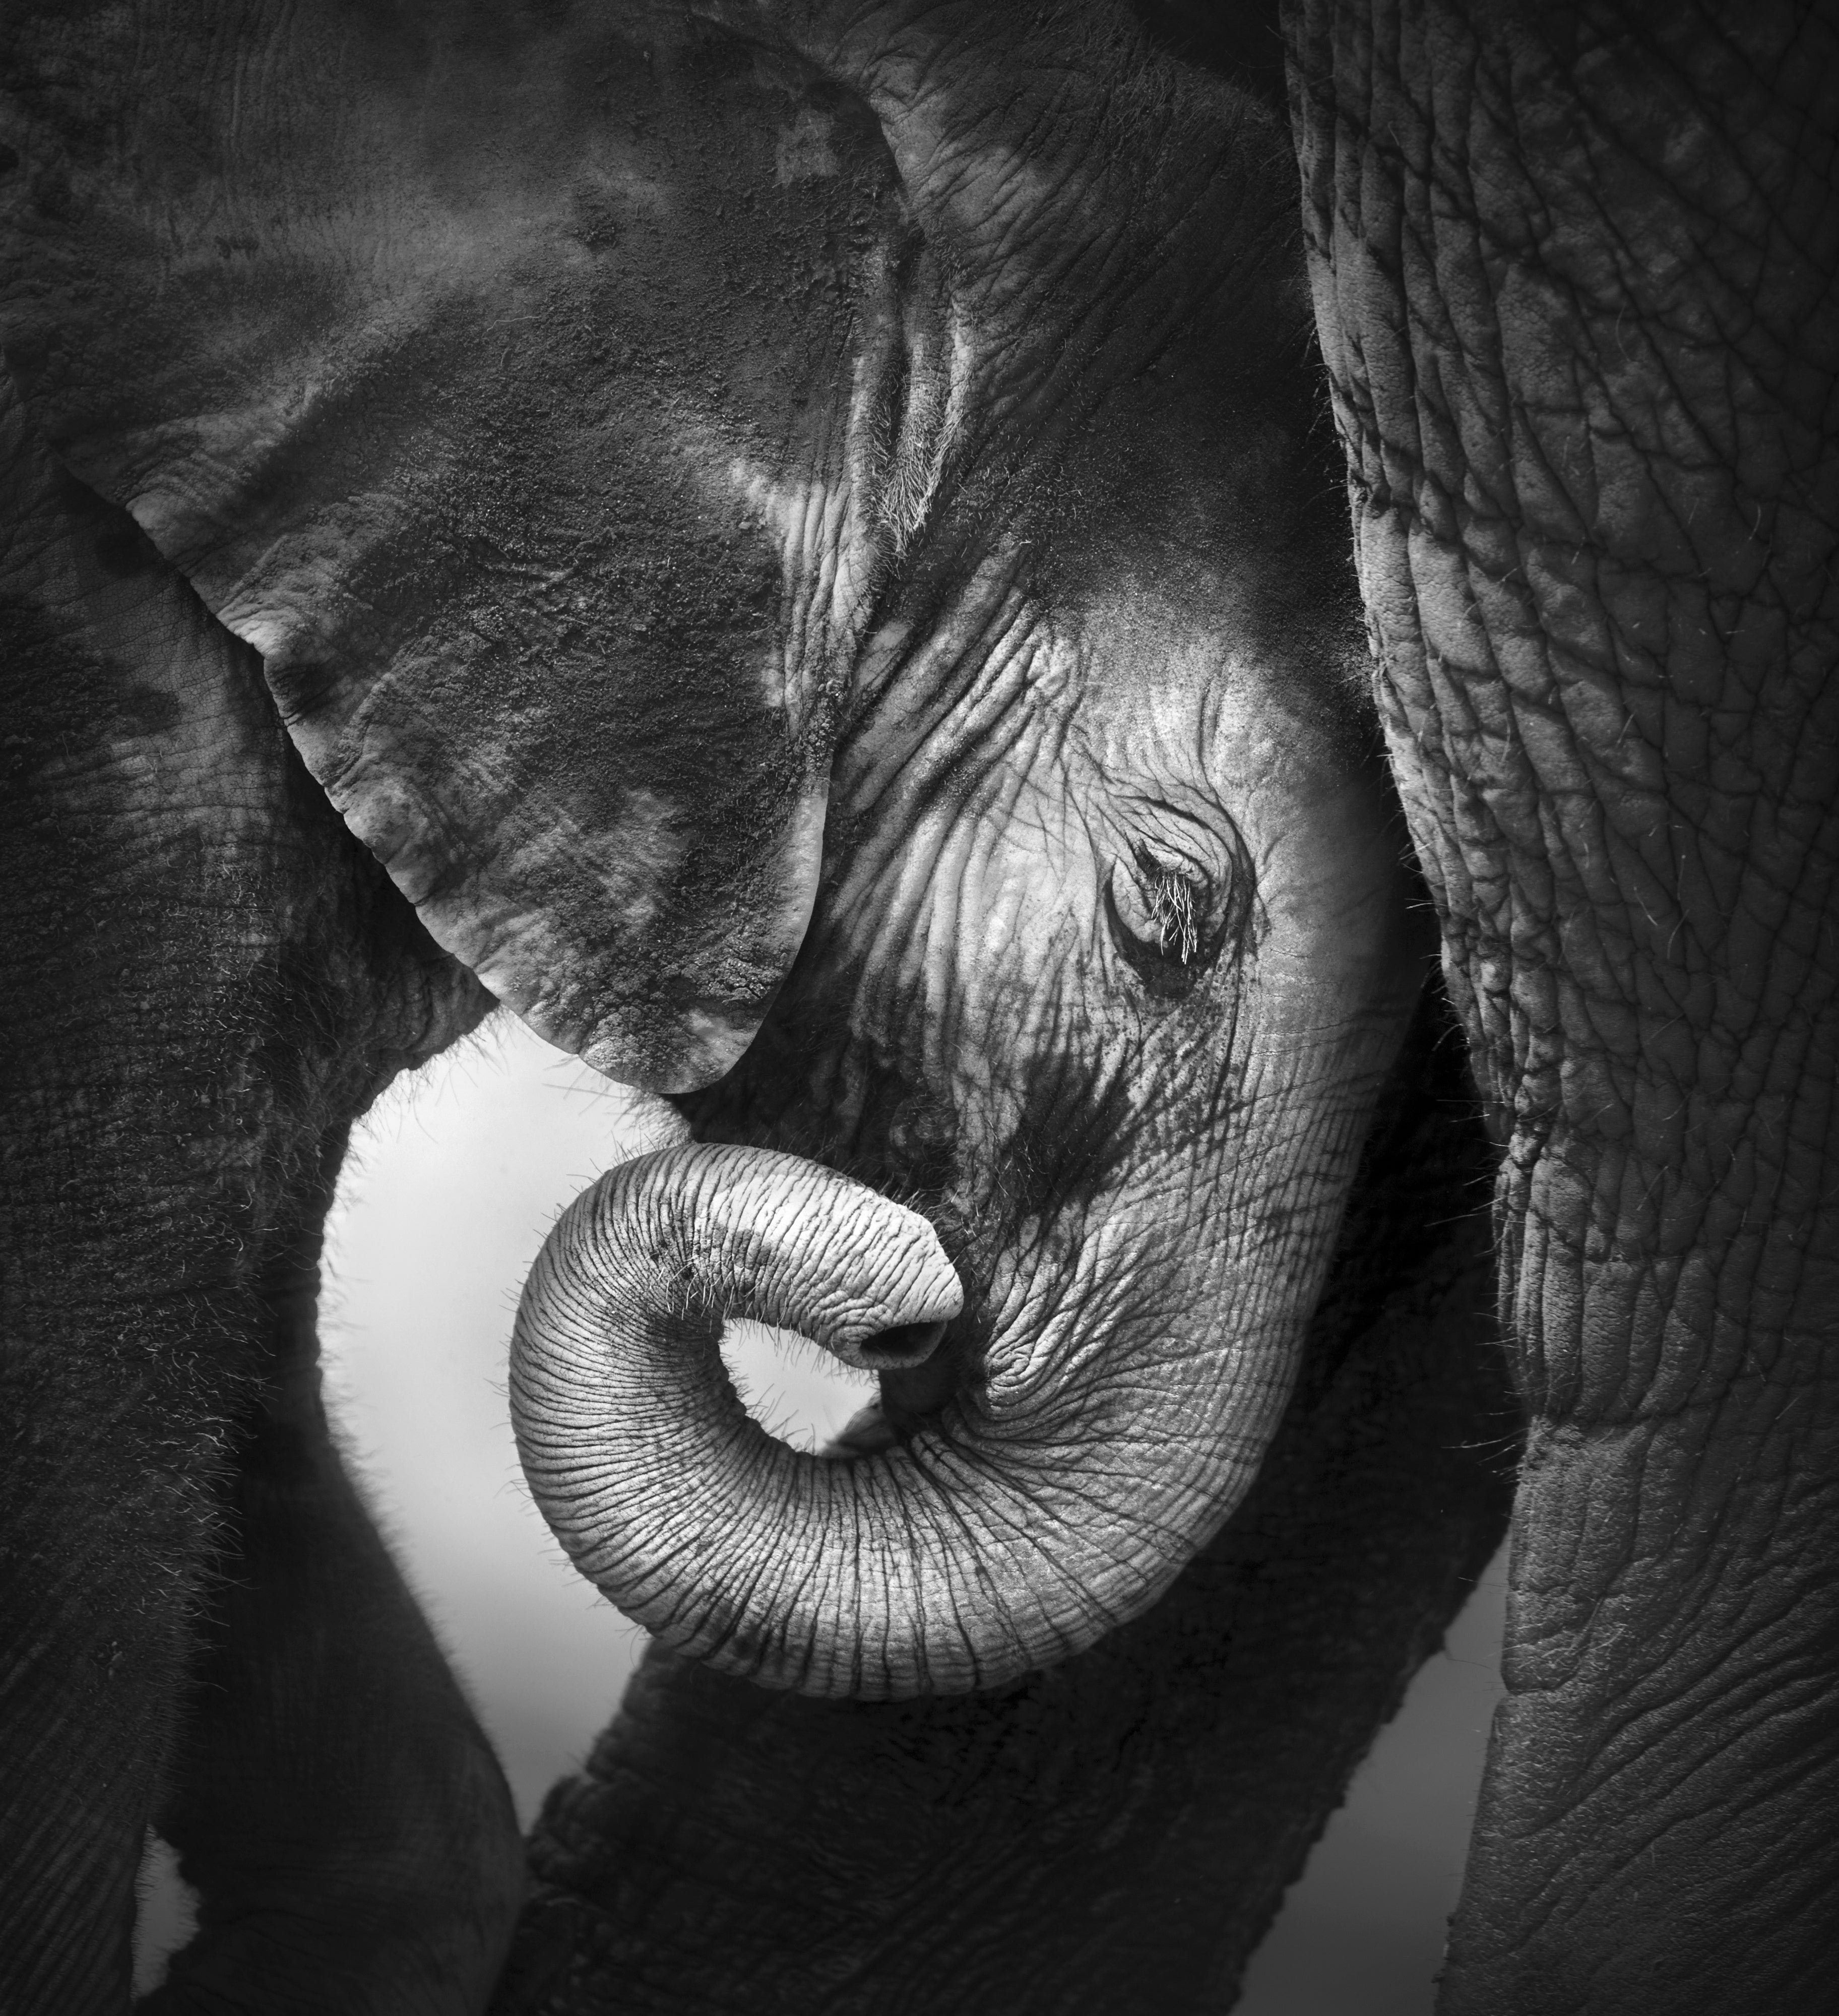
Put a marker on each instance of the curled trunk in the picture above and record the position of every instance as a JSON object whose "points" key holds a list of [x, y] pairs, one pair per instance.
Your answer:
{"points": [[991, 1542]]}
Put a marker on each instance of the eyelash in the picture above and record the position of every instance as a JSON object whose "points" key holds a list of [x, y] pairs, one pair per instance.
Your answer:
{"points": [[1171, 911], [1160, 920]]}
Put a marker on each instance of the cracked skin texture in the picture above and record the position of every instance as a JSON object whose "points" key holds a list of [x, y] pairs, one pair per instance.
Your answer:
{"points": [[1572, 274], [196, 1590], [1575, 276], [1116, 1833], [438, 350], [405, 547]]}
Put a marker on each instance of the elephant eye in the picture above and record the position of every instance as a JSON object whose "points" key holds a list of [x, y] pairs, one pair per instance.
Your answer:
{"points": [[1166, 920]]}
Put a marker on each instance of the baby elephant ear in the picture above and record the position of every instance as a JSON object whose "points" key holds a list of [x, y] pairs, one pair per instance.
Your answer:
{"points": [[480, 366]]}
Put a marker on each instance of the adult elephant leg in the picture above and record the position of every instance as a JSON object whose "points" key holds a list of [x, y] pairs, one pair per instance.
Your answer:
{"points": [[1575, 279], [1112, 1835], [203, 983], [332, 1798], [115, 1375]]}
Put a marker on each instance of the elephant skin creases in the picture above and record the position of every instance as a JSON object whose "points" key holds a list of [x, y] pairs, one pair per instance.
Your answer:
{"points": [[1578, 278], [203, 1630], [808, 541], [727, 1845], [946, 1562], [485, 452]]}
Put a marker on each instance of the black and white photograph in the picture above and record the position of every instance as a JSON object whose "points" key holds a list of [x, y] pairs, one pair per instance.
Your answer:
{"points": [[920, 1065]]}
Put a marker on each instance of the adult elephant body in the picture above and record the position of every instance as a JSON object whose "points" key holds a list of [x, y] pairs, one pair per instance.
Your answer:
{"points": [[801, 539], [1575, 278]]}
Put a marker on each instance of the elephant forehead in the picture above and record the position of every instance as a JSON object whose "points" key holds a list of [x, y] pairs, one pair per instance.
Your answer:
{"points": [[1195, 698]]}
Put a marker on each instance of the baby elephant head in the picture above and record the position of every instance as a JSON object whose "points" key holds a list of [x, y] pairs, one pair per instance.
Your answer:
{"points": [[1051, 1122], [806, 551]]}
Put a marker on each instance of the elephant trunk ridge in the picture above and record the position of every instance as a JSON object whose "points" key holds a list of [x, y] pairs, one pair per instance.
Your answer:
{"points": [[940, 1563]]}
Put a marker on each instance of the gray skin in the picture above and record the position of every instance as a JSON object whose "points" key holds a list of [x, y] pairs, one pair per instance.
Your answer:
{"points": [[639, 516], [866, 761], [1575, 276]]}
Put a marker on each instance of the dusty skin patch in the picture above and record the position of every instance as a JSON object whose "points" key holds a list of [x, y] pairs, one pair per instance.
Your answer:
{"points": [[804, 153]]}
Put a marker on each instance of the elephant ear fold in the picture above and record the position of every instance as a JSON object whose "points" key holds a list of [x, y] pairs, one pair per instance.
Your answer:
{"points": [[449, 352]]}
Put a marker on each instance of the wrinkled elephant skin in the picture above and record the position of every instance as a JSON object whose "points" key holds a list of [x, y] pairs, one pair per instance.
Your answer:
{"points": [[800, 548], [759, 548], [1575, 275]]}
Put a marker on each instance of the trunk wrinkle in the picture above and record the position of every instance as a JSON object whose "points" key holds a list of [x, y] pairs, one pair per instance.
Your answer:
{"points": [[933, 1554]]}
